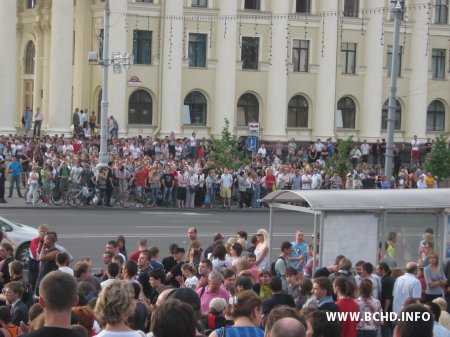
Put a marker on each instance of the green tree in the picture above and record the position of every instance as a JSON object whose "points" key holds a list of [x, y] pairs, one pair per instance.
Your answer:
{"points": [[340, 162], [438, 161], [225, 149]]}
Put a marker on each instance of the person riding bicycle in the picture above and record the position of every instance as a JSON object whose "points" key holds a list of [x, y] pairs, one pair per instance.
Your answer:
{"points": [[139, 179]]}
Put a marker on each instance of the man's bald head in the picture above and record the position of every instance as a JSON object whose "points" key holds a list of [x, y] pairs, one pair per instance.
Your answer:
{"points": [[411, 267], [287, 327]]}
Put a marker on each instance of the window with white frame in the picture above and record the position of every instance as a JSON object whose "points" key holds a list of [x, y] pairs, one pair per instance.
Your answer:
{"points": [[389, 60], [247, 110], [249, 53], [196, 102], [303, 6], [398, 115], [438, 63], [300, 55], [197, 50], [441, 11], [199, 3], [252, 4], [297, 112], [435, 116], [348, 57], [142, 46], [347, 113]]}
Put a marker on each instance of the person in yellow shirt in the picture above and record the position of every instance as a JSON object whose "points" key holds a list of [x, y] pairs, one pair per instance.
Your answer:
{"points": [[429, 180]]}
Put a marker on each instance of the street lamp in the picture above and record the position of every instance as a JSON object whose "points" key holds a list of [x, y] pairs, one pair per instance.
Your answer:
{"points": [[118, 61]]}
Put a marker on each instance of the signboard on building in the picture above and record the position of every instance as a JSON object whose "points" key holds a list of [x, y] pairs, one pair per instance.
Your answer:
{"points": [[253, 126], [134, 81], [251, 143]]}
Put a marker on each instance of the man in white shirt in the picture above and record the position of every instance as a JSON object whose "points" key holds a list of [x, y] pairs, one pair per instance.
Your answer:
{"points": [[415, 153], [226, 183], [262, 151], [406, 286], [38, 118], [306, 181], [365, 150], [316, 180]]}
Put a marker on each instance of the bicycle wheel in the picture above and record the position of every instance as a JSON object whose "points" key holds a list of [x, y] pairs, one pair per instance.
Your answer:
{"points": [[25, 195], [57, 198], [74, 198], [97, 199], [127, 199], [147, 199]]}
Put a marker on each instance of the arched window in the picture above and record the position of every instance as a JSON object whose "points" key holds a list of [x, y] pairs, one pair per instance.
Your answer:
{"points": [[140, 108], [297, 112], [248, 110], [398, 115], [346, 113], [195, 104], [435, 116], [29, 58]]}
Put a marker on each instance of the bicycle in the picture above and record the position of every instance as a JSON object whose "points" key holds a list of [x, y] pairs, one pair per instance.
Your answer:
{"points": [[40, 196], [133, 196], [84, 195]]}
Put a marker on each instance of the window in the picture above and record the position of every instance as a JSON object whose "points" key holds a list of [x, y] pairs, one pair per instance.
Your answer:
{"points": [[398, 115], [249, 52], [31, 4], [142, 46], [252, 4], [300, 52], [348, 57], [140, 108], [148, 1], [435, 116], [199, 3], [297, 112], [100, 44], [440, 11], [346, 113], [351, 8], [438, 63], [197, 50], [248, 110], [29, 58], [303, 6], [196, 102], [389, 60]]}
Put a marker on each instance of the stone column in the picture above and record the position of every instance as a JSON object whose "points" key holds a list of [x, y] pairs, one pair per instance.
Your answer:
{"points": [[373, 84], [117, 95], [8, 71], [38, 66], [415, 115], [171, 63], [58, 116], [225, 92], [325, 109], [276, 112]]}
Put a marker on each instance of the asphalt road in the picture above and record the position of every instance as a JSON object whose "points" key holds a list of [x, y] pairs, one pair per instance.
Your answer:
{"points": [[84, 232]]}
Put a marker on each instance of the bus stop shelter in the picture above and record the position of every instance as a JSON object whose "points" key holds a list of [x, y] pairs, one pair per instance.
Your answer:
{"points": [[356, 223]]}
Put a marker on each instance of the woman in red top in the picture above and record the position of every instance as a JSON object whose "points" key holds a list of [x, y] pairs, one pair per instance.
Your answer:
{"points": [[344, 289], [270, 180]]}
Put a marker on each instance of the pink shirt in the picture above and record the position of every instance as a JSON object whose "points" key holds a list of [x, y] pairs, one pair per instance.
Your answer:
{"points": [[207, 296]]}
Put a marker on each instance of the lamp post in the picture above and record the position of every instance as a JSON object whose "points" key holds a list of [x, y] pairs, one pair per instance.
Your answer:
{"points": [[118, 61]]}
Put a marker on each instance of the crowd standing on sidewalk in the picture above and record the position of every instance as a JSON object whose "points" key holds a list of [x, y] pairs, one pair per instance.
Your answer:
{"points": [[181, 172], [227, 289]]}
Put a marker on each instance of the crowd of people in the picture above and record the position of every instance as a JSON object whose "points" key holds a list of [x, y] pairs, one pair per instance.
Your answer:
{"points": [[181, 172], [223, 288]]}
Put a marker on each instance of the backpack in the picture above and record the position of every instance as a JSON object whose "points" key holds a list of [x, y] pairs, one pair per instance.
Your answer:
{"points": [[273, 271]]}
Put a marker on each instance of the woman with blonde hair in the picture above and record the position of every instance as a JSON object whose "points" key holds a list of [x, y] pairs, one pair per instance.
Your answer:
{"points": [[114, 306], [262, 248], [245, 309], [434, 278]]}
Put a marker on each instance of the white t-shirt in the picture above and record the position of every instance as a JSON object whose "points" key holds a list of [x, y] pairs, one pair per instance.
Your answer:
{"points": [[133, 333], [262, 151], [227, 180], [415, 145], [66, 270], [191, 282]]}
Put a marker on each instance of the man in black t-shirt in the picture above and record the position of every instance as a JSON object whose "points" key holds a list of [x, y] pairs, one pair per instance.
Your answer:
{"points": [[167, 183], [58, 294], [175, 272]]}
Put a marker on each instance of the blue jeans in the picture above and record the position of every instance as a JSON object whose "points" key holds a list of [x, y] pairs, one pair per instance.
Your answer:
{"points": [[37, 128], [14, 180], [256, 195], [167, 196]]}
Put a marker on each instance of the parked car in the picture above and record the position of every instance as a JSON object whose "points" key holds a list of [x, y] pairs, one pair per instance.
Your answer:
{"points": [[22, 235]]}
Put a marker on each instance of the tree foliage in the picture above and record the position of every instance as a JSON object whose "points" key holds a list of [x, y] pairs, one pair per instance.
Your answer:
{"points": [[339, 162], [225, 149], [438, 161]]}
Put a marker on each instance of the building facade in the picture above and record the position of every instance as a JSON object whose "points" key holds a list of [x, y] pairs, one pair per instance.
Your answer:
{"points": [[300, 68]]}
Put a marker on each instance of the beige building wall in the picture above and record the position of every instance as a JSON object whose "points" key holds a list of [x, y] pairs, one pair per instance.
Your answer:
{"points": [[169, 79]]}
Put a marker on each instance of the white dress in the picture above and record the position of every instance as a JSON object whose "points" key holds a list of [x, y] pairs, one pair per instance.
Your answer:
{"points": [[265, 261]]}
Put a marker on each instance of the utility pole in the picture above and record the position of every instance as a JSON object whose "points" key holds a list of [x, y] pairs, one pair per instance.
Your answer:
{"points": [[397, 12], [103, 155]]}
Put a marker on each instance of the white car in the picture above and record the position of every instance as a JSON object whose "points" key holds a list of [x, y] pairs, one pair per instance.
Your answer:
{"points": [[22, 235]]}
